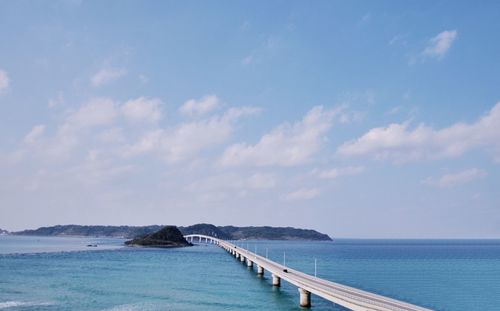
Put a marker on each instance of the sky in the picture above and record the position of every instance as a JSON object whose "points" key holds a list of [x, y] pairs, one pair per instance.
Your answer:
{"points": [[361, 119]]}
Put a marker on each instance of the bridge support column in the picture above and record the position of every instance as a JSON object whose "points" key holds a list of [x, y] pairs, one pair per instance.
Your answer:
{"points": [[242, 259], [276, 281], [236, 255], [249, 263], [260, 270], [305, 298]]}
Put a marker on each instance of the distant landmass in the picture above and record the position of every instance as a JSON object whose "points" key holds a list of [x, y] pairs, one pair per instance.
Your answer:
{"points": [[221, 232], [126, 232], [255, 233], [167, 237], [3, 231]]}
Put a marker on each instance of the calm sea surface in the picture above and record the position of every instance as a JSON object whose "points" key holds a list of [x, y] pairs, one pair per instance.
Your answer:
{"points": [[64, 274]]}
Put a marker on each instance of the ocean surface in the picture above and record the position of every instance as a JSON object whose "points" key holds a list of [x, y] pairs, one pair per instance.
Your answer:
{"points": [[64, 274]]}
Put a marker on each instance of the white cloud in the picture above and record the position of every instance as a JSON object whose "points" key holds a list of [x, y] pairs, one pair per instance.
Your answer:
{"points": [[399, 143], [247, 60], [302, 194], [4, 81], [400, 39], [148, 142], [188, 138], [455, 179], [341, 171], [96, 169], [261, 181], [104, 76], [112, 135], [286, 145], [198, 107], [56, 101], [95, 112], [440, 44], [142, 109], [34, 134]]}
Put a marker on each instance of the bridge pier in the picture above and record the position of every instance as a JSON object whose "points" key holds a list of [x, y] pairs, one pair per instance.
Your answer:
{"points": [[305, 298], [249, 263], [276, 281], [242, 259], [260, 270]]}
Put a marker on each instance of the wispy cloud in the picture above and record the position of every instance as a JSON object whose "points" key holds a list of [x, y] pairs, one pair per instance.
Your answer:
{"points": [[302, 194], [247, 60], [341, 171], [4, 81], [142, 109], [286, 145], [266, 49], [233, 182], [95, 112], [455, 179], [143, 78], [107, 75], [399, 39], [56, 101], [188, 138], [365, 18], [438, 46], [34, 134], [398, 143], [199, 107], [114, 134]]}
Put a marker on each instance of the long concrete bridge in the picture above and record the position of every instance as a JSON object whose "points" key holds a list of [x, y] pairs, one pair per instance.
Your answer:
{"points": [[348, 297]]}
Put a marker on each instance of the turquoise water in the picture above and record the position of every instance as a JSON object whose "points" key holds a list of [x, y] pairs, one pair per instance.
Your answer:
{"points": [[63, 274]]}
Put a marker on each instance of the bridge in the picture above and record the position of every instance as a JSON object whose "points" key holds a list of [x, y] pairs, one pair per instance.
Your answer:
{"points": [[348, 297]]}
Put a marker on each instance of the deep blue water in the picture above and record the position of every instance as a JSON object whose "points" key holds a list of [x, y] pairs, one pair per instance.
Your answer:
{"points": [[63, 274]]}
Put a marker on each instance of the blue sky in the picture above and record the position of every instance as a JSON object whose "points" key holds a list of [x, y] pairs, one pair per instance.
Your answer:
{"points": [[358, 119]]}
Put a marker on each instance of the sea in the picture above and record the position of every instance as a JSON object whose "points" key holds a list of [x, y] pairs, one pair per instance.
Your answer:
{"points": [[64, 273]]}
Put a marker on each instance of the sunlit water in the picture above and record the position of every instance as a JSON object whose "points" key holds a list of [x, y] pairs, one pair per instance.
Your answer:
{"points": [[64, 274]]}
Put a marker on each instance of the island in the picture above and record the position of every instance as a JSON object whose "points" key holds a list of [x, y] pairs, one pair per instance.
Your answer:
{"points": [[167, 237], [221, 232], [123, 232], [255, 233], [3, 232]]}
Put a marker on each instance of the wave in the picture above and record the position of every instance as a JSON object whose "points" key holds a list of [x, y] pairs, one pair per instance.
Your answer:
{"points": [[134, 307], [12, 304]]}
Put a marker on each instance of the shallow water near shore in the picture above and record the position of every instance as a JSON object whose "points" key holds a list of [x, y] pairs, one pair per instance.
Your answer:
{"points": [[63, 274]]}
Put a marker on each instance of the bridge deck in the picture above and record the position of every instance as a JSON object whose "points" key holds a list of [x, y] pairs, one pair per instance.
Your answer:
{"points": [[349, 297]]}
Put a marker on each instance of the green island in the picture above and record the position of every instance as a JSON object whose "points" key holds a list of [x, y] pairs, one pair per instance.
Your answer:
{"points": [[166, 237], [221, 232]]}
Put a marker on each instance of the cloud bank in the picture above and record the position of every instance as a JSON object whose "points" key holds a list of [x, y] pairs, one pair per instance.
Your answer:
{"points": [[398, 142], [287, 144]]}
